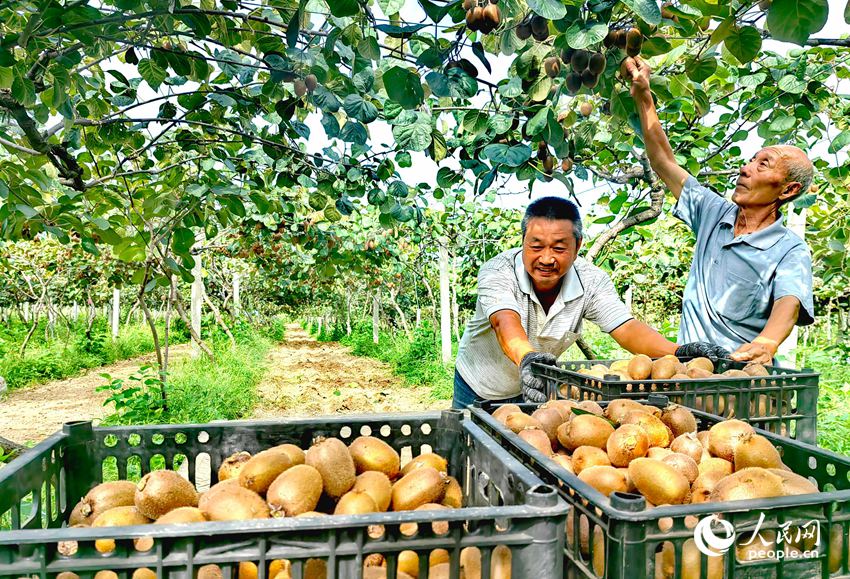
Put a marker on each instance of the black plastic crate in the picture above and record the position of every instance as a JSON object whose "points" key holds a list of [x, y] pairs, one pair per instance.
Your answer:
{"points": [[628, 536], [783, 403], [505, 504]]}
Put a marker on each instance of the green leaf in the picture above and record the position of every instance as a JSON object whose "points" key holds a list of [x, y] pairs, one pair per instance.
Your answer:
{"points": [[475, 122], [400, 31], [512, 88], [699, 69], [325, 100], [795, 20], [404, 160], [368, 48], [782, 124], [551, 9], [376, 197], [153, 74], [341, 8], [580, 37], [359, 108], [354, 132], [791, 84], [839, 142], [23, 90], [437, 13], [293, 28], [847, 12], [414, 136], [461, 84], [438, 149], [446, 177], [511, 156], [647, 10], [404, 87], [439, 84], [744, 43], [331, 125], [538, 122], [539, 90]]}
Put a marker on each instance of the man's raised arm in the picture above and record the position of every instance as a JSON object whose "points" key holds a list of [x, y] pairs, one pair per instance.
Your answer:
{"points": [[658, 148]]}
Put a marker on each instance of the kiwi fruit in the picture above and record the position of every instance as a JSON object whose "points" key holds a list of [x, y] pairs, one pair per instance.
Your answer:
{"points": [[161, 491], [101, 498], [453, 498], [588, 456], [586, 109], [567, 165], [597, 63], [106, 574], [662, 369], [468, 4], [181, 516], [235, 503], [333, 461], [211, 571], [519, 420], [634, 42], [567, 55], [656, 431], [660, 483], [295, 454], [381, 573], [754, 369], [539, 28], [67, 574], [549, 165], [605, 479], [564, 462], [491, 18], [231, 465], [733, 373], [355, 503], [377, 485], [470, 563], [143, 573], [205, 498], [247, 570], [584, 430], [117, 517], [573, 82], [689, 445], [300, 87], [538, 439], [640, 367], [296, 490], [715, 464], [749, 483], [260, 471], [755, 450], [439, 527], [679, 420], [590, 406], [420, 486], [579, 60], [793, 483], [501, 413], [311, 82], [370, 453], [701, 362], [610, 39], [427, 459], [724, 436], [552, 66], [704, 484], [550, 419], [684, 464], [620, 38], [522, 31], [627, 443], [696, 373], [658, 452], [619, 408], [565, 407]]}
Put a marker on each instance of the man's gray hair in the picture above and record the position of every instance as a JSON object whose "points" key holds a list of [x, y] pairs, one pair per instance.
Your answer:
{"points": [[798, 168], [553, 208]]}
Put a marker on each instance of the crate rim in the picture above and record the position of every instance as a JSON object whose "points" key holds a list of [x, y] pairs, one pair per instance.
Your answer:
{"points": [[802, 373], [603, 503]]}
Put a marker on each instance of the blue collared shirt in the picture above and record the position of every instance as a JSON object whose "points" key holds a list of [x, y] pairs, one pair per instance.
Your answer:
{"points": [[734, 281]]}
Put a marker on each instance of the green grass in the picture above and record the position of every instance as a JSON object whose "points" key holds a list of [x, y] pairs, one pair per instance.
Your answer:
{"points": [[71, 352], [416, 360]]}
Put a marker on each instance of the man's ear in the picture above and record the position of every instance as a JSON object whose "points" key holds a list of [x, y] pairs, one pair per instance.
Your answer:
{"points": [[578, 244], [790, 191]]}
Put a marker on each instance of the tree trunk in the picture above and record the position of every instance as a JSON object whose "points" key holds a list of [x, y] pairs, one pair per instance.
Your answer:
{"points": [[133, 310], [376, 315], [183, 316], [35, 314], [13, 449], [197, 303], [220, 321], [347, 312], [237, 297], [445, 313], [116, 312], [159, 357], [455, 309], [401, 315], [585, 348]]}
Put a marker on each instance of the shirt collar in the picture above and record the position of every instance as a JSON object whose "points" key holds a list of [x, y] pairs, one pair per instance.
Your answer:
{"points": [[761, 239], [571, 287]]}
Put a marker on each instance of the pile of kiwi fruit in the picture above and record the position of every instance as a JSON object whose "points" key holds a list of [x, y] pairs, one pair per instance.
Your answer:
{"points": [[482, 15], [658, 453], [642, 367], [305, 85], [329, 478]]}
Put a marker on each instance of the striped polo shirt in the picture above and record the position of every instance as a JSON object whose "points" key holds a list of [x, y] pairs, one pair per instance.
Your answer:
{"points": [[503, 284]]}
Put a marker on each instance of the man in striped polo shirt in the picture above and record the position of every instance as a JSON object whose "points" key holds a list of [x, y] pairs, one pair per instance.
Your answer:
{"points": [[531, 304]]}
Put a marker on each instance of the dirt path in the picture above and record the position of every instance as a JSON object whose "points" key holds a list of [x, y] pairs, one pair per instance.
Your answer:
{"points": [[310, 378], [32, 414]]}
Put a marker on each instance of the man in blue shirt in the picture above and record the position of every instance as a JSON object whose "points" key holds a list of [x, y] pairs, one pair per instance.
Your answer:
{"points": [[751, 278]]}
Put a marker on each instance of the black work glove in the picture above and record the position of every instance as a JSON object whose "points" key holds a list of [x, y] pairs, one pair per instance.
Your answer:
{"points": [[533, 387], [701, 350]]}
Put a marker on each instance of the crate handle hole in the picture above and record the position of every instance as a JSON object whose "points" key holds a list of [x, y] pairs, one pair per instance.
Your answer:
{"points": [[203, 437], [345, 432]]}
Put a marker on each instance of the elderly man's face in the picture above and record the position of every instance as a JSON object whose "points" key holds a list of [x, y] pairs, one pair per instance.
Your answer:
{"points": [[548, 251], [764, 180]]}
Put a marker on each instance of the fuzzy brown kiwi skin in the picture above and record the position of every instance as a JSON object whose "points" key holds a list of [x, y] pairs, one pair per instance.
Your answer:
{"points": [[161, 491]]}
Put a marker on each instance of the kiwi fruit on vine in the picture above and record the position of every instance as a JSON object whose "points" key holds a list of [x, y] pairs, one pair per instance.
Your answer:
{"points": [[585, 109], [552, 66], [573, 82], [311, 82], [634, 42], [549, 165], [491, 18], [579, 60], [523, 31], [300, 88], [596, 64], [567, 54], [539, 27], [589, 79], [468, 4], [567, 165], [610, 39], [620, 38]]}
